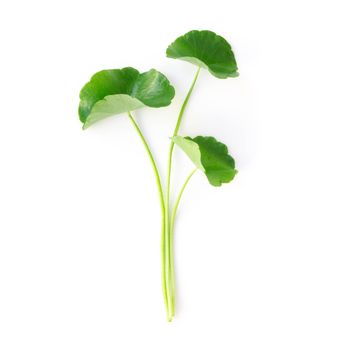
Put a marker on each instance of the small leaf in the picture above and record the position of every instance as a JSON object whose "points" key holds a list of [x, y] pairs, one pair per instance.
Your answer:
{"points": [[210, 156], [207, 50], [115, 91]]}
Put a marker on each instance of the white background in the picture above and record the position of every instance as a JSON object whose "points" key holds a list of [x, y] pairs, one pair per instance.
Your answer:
{"points": [[262, 263]]}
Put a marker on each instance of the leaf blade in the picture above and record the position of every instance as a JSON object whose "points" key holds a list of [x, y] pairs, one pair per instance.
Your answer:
{"points": [[115, 91], [205, 49], [210, 156]]}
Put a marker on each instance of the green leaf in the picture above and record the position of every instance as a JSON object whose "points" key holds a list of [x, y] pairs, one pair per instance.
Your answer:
{"points": [[207, 50], [115, 91], [210, 156]]}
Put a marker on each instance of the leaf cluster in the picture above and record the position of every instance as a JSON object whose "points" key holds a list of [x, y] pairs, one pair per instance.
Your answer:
{"points": [[116, 91]]}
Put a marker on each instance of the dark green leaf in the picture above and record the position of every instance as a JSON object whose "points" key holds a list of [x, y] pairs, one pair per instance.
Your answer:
{"points": [[116, 91], [210, 156], [206, 50]]}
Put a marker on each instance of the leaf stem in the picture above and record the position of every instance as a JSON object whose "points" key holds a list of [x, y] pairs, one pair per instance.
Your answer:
{"points": [[181, 113], [168, 242], [172, 221], [161, 200]]}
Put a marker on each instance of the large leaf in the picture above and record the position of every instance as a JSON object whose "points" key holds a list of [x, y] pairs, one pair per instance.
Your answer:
{"points": [[210, 156], [207, 50], [115, 91]]}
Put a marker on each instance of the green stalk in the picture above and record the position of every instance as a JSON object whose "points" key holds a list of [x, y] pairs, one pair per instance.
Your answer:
{"points": [[161, 200], [168, 242], [172, 220]]}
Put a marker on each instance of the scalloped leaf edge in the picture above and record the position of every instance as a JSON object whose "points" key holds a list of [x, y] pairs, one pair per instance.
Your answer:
{"points": [[191, 148], [198, 62], [108, 105]]}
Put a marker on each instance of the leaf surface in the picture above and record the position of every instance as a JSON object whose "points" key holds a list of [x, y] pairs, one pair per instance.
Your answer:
{"points": [[115, 91], [210, 156], [207, 50]]}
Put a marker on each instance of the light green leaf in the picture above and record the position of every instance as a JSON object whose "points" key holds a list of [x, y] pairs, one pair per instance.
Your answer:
{"points": [[115, 91], [210, 156], [207, 50]]}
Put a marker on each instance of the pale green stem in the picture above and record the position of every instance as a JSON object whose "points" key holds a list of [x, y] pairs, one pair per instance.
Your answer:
{"points": [[168, 241], [161, 199], [171, 229]]}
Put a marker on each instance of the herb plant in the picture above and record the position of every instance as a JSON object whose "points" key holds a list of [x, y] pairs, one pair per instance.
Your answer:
{"points": [[118, 91]]}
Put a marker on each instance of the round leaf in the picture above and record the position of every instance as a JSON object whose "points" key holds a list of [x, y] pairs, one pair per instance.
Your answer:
{"points": [[210, 156], [115, 91], [207, 50]]}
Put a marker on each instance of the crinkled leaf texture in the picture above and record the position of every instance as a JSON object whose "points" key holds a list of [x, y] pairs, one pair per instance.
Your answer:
{"points": [[207, 50], [210, 156], [115, 91]]}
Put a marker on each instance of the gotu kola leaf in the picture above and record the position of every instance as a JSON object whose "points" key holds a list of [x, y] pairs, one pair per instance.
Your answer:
{"points": [[207, 50], [210, 156], [115, 91]]}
